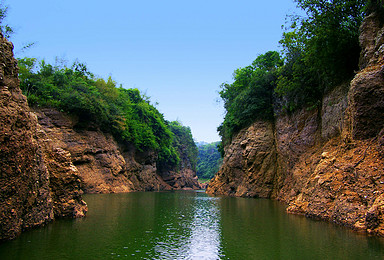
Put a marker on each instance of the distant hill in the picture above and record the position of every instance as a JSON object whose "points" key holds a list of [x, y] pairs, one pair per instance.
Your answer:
{"points": [[201, 143], [209, 160]]}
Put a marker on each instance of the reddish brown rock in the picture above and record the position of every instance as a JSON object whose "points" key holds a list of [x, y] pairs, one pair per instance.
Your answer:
{"points": [[249, 165], [108, 166], [336, 182], [329, 163], [374, 219], [366, 95], [104, 165], [64, 180], [333, 112], [184, 179], [28, 197], [371, 40], [182, 176]]}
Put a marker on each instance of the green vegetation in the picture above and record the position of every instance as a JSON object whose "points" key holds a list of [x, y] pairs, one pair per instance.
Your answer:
{"points": [[6, 30], [320, 51], [249, 97], [97, 103], [209, 161], [184, 146]]}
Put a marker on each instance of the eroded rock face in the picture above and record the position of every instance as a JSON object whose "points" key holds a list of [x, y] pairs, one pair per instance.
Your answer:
{"points": [[333, 111], [329, 163], [64, 180], [182, 176], [366, 102], [338, 182], [371, 40], [104, 165], [342, 180], [295, 135], [249, 168], [184, 179], [366, 95], [28, 196]]}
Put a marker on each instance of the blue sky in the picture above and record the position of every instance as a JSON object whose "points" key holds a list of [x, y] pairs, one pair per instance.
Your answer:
{"points": [[176, 52]]}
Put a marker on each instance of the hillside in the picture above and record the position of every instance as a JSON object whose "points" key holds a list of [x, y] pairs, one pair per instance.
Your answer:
{"points": [[322, 155], [209, 160], [73, 133]]}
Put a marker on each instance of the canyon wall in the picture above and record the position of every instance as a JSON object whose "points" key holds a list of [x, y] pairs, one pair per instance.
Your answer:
{"points": [[108, 166], [104, 165], [325, 163], [183, 176], [38, 181], [47, 162]]}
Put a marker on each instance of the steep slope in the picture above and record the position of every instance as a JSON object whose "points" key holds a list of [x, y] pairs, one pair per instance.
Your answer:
{"points": [[249, 167], [108, 166], [117, 139], [38, 181], [105, 165], [325, 163], [209, 160], [183, 174]]}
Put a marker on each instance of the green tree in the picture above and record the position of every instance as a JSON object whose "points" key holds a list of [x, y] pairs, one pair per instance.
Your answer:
{"points": [[5, 29], [321, 50], [209, 160], [97, 103], [184, 145], [249, 97]]}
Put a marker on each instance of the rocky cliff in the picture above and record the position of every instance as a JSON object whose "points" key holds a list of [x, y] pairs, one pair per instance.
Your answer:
{"points": [[38, 181], [47, 161], [108, 166], [105, 165], [326, 163], [183, 176]]}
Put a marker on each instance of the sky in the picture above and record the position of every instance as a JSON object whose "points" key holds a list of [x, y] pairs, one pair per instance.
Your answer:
{"points": [[176, 52]]}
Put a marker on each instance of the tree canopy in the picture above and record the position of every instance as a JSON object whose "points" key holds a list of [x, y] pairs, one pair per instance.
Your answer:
{"points": [[209, 160], [320, 50], [99, 103], [184, 145], [249, 97]]}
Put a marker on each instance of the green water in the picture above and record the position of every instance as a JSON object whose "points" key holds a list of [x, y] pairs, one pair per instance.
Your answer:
{"points": [[189, 225]]}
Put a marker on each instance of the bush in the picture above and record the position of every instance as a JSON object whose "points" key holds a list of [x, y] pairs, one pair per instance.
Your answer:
{"points": [[125, 113]]}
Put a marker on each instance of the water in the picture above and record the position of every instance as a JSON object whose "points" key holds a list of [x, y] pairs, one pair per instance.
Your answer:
{"points": [[189, 225]]}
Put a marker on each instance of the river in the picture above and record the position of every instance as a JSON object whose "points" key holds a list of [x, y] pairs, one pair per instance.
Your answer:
{"points": [[189, 225]]}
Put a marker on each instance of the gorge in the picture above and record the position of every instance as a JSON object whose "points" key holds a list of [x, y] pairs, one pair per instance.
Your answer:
{"points": [[48, 162], [324, 161]]}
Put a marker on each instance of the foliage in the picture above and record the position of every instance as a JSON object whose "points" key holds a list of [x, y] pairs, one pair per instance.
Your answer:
{"points": [[97, 103], [249, 97], [184, 146], [209, 160], [6, 30], [321, 50]]}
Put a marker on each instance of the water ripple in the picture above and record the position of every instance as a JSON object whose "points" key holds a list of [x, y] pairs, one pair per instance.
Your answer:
{"points": [[200, 238]]}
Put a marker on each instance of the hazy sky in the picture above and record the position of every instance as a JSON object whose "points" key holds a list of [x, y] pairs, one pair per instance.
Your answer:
{"points": [[177, 52]]}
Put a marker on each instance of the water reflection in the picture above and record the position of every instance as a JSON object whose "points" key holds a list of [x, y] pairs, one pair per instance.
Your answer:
{"points": [[189, 225], [204, 241], [261, 229], [195, 234]]}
